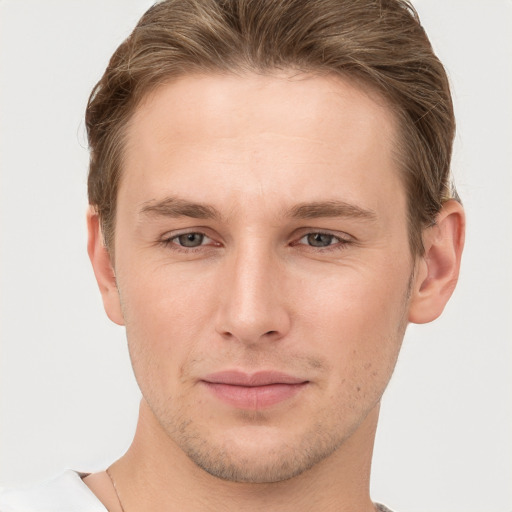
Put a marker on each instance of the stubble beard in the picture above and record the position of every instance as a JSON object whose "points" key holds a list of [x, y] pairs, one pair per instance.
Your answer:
{"points": [[286, 456], [285, 459], [234, 462]]}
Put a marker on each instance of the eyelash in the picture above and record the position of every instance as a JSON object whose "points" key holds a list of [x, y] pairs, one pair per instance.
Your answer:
{"points": [[341, 243], [168, 242]]}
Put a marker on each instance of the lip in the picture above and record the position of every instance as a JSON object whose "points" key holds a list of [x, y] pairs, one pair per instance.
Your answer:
{"points": [[253, 391]]}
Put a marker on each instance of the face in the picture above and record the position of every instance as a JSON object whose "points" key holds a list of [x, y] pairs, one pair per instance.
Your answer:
{"points": [[263, 267]]}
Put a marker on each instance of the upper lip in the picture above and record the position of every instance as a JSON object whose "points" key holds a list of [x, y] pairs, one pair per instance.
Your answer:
{"points": [[262, 378]]}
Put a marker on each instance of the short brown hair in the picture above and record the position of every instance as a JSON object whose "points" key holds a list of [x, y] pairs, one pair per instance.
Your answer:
{"points": [[378, 42]]}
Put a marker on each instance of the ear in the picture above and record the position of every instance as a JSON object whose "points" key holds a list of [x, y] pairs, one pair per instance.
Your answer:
{"points": [[103, 269], [437, 271]]}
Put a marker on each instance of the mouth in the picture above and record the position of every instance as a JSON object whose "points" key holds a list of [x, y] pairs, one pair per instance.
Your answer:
{"points": [[253, 391]]}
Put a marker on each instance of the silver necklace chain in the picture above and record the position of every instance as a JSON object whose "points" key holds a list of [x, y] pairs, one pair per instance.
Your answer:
{"points": [[115, 489]]}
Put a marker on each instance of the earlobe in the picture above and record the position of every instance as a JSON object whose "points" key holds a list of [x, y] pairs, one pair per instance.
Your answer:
{"points": [[437, 271], [103, 269]]}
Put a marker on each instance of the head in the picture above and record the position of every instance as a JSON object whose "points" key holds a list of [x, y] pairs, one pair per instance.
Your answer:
{"points": [[270, 208]]}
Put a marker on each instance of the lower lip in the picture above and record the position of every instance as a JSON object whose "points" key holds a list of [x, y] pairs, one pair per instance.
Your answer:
{"points": [[254, 397]]}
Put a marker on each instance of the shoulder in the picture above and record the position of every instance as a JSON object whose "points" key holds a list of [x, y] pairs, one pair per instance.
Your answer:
{"points": [[64, 493]]}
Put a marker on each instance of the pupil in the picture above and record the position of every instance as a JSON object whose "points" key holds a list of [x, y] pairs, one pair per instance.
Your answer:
{"points": [[319, 239], [191, 239]]}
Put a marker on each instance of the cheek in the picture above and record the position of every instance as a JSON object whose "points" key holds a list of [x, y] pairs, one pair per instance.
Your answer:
{"points": [[162, 298], [358, 321], [164, 318], [357, 302]]}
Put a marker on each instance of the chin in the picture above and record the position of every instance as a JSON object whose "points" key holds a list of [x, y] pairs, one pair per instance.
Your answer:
{"points": [[258, 454], [258, 468]]}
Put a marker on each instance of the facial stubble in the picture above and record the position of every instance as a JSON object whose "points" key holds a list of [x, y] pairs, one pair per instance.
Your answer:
{"points": [[230, 459]]}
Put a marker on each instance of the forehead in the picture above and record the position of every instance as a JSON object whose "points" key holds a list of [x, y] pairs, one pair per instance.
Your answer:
{"points": [[290, 137]]}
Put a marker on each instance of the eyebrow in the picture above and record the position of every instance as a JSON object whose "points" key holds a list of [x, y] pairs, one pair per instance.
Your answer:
{"points": [[319, 209], [175, 207]]}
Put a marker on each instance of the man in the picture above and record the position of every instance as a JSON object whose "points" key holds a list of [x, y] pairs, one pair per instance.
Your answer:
{"points": [[270, 207]]}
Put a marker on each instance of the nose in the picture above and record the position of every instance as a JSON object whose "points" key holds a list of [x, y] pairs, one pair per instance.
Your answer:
{"points": [[253, 301]]}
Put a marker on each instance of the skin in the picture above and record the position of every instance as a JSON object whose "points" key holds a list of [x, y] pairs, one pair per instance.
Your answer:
{"points": [[279, 280]]}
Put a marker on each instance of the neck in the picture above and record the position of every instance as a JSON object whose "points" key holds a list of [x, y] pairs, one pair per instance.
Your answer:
{"points": [[156, 475]]}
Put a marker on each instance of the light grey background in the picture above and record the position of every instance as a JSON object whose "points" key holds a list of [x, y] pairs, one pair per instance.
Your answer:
{"points": [[68, 398]]}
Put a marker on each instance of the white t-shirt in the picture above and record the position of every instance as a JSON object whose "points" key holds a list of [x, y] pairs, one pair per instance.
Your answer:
{"points": [[64, 493]]}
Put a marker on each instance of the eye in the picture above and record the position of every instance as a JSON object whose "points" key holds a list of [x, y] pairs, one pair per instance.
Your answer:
{"points": [[320, 240], [189, 240]]}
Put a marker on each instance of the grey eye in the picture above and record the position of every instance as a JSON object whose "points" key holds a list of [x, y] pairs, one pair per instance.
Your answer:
{"points": [[190, 239], [319, 239]]}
